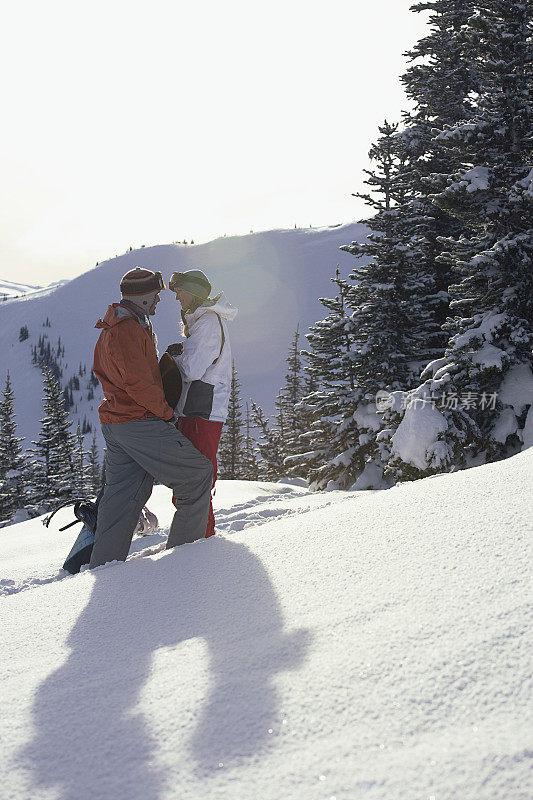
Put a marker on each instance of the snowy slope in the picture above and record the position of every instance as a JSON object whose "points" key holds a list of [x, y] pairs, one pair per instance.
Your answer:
{"points": [[345, 645], [275, 279]]}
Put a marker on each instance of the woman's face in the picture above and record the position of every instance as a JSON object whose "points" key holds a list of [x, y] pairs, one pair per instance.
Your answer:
{"points": [[184, 297]]}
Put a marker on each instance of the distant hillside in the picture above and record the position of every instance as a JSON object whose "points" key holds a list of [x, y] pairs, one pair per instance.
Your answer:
{"points": [[10, 291], [274, 278]]}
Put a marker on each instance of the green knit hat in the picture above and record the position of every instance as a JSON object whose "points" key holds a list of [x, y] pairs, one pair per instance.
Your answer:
{"points": [[193, 281]]}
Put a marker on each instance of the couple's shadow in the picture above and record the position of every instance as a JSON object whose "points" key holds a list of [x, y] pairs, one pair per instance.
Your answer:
{"points": [[90, 742]]}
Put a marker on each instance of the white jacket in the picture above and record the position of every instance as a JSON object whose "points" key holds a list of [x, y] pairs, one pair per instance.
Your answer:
{"points": [[206, 386]]}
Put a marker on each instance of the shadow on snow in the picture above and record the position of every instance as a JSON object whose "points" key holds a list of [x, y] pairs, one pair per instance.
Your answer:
{"points": [[89, 740]]}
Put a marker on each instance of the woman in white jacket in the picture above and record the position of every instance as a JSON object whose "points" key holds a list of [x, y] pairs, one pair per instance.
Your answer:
{"points": [[205, 365]]}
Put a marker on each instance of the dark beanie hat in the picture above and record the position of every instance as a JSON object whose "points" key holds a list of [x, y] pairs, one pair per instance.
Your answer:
{"points": [[141, 281], [192, 280]]}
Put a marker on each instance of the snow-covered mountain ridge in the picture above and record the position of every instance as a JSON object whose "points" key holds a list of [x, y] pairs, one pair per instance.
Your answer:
{"points": [[333, 645], [274, 278], [10, 291]]}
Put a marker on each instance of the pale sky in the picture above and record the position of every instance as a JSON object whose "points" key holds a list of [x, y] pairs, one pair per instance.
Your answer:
{"points": [[129, 123]]}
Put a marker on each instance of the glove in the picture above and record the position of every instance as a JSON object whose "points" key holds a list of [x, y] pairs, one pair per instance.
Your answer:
{"points": [[175, 349]]}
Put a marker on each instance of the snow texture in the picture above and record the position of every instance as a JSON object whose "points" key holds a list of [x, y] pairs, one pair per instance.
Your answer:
{"points": [[516, 389], [342, 645], [489, 356], [486, 324], [475, 179], [417, 433], [527, 184], [516, 392], [370, 478], [366, 416], [505, 425]]}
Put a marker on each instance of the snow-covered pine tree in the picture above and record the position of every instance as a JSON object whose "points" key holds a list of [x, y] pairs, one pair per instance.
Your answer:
{"points": [[441, 83], [281, 425], [298, 465], [231, 450], [440, 80], [397, 284], [250, 468], [270, 446], [12, 462], [81, 479], [292, 418], [53, 453], [292, 390], [95, 474], [486, 372], [392, 329], [330, 381]]}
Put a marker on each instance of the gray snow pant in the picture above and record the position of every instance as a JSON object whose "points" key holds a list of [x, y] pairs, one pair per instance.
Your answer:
{"points": [[138, 452]]}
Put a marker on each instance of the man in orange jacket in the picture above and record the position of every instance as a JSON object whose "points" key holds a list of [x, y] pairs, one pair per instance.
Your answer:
{"points": [[139, 427]]}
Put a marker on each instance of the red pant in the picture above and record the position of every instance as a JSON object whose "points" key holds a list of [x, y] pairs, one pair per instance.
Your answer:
{"points": [[205, 436]]}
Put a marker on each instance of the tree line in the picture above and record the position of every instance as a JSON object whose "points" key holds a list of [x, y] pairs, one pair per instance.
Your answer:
{"points": [[56, 468]]}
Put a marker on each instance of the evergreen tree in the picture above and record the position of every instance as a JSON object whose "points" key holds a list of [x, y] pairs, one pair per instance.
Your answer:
{"points": [[489, 192], [281, 422], [298, 465], [53, 453], [47, 357], [270, 446], [441, 83], [250, 469], [292, 391], [12, 465], [94, 468], [280, 445], [81, 478], [231, 451], [294, 417], [391, 331], [329, 381]]}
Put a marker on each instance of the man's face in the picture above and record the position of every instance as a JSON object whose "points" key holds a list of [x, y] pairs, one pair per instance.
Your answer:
{"points": [[156, 300], [184, 297]]}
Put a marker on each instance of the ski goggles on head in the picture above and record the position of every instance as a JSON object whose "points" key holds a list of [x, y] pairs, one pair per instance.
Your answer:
{"points": [[176, 281], [193, 281], [160, 281]]}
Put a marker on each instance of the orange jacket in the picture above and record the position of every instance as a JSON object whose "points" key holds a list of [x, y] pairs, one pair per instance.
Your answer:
{"points": [[125, 363]]}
